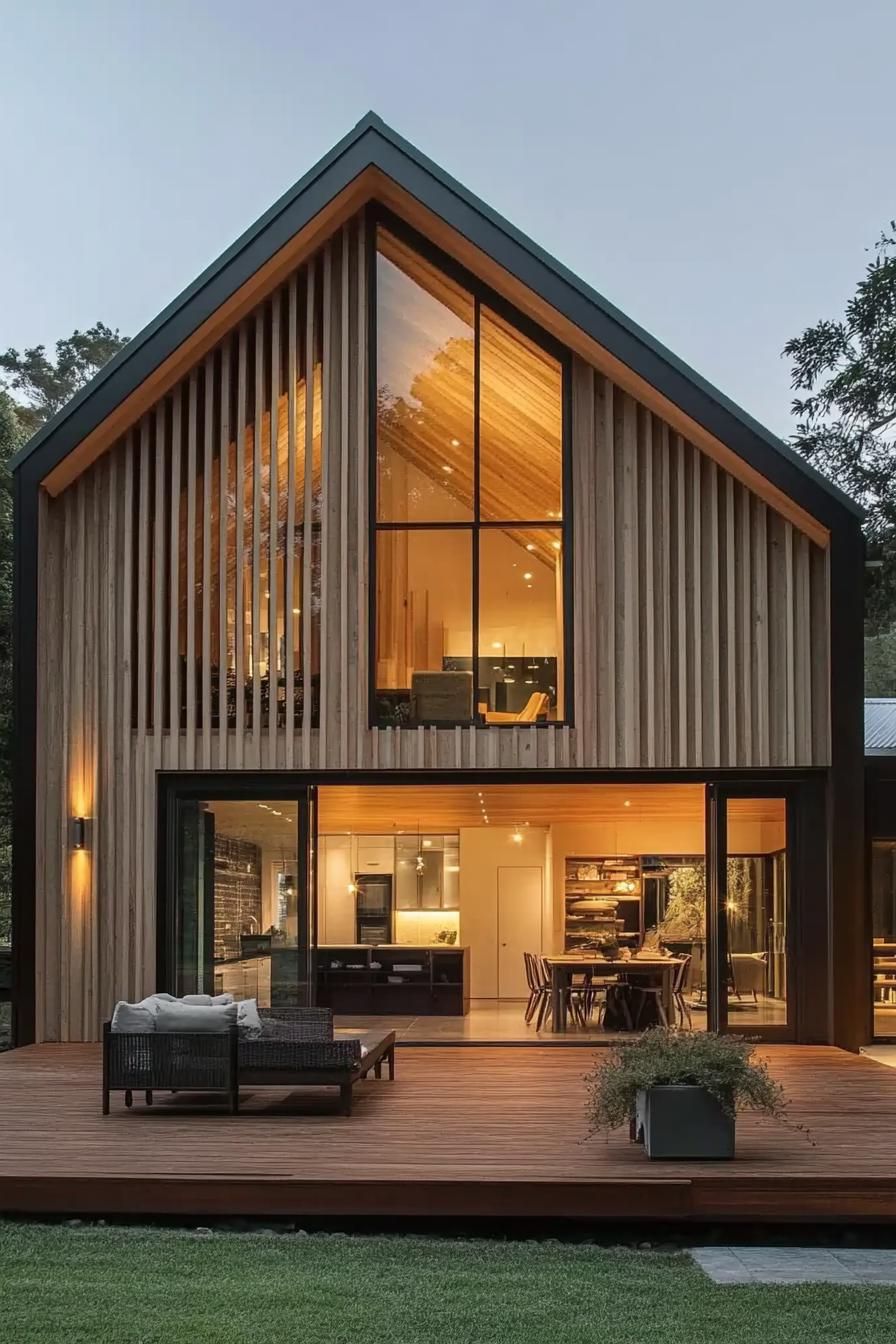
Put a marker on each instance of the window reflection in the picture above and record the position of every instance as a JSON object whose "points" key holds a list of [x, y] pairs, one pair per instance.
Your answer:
{"points": [[424, 626], [520, 624], [520, 424], [756, 905], [424, 387], [469, 541]]}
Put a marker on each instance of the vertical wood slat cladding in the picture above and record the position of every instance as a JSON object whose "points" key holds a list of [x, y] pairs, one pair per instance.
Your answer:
{"points": [[711, 619], [236, 510]]}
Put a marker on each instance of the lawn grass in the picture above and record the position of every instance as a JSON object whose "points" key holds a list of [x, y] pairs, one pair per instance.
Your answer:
{"points": [[158, 1286]]}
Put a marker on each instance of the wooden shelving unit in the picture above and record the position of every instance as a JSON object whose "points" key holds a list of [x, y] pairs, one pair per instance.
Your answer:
{"points": [[590, 883], [884, 974]]}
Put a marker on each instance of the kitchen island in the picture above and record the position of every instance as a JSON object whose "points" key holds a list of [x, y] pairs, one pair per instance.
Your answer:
{"points": [[430, 980]]}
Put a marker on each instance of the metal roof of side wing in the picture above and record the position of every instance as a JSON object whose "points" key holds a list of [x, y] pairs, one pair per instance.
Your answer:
{"points": [[374, 144]]}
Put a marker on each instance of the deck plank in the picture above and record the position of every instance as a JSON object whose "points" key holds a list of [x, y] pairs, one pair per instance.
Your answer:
{"points": [[463, 1131]]}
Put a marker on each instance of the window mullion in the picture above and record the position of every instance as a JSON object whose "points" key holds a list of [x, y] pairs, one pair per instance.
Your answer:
{"points": [[477, 513]]}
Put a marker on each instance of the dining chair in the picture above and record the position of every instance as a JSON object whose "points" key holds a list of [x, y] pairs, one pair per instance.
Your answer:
{"points": [[580, 997], [535, 984], [649, 994], [679, 985]]}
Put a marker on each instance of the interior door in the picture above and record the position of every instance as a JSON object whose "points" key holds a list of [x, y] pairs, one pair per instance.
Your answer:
{"points": [[749, 922], [519, 926]]}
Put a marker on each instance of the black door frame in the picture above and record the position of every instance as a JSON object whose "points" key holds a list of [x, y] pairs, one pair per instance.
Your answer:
{"points": [[231, 786], [809, 1016], [718, 795]]}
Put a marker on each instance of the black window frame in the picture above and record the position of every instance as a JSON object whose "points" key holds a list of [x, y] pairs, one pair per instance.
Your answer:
{"points": [[377, 217]]}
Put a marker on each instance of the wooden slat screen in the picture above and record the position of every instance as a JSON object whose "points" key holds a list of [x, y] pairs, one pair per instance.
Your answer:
{"points": [[204, 604], [701, 615]]}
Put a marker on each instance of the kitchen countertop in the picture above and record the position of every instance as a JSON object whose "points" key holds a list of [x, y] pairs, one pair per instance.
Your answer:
{"points": [[391, 947]]}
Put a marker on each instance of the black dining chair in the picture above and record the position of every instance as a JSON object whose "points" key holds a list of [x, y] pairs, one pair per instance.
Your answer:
{"points": [[679, 986], [649, 1000], [538, 990], [581, 995]]}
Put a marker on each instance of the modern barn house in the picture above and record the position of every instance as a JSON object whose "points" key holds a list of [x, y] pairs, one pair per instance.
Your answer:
{"points": [[400, 628]]}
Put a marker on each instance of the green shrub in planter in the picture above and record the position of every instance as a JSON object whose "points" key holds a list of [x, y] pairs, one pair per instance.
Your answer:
{"points": [[681, 1091]]}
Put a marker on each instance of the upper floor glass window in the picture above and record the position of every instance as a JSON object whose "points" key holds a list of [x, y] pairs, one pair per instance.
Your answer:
{"points": [[468, 514]]}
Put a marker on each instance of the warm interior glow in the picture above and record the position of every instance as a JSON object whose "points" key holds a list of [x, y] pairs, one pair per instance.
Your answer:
{"points": [[426, 367]]}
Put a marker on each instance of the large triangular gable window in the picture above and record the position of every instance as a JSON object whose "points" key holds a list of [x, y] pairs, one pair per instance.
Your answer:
{"points": [[468, 503]]}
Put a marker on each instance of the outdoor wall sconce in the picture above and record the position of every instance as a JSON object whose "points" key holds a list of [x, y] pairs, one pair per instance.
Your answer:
{"points": [[79, 832]]}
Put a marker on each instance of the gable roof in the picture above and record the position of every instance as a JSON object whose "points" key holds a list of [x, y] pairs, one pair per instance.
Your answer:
{"points": [[373, 144]]}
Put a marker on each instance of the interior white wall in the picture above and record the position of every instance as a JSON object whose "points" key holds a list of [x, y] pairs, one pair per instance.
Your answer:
{"points": [[335, 903], [483, 850]]}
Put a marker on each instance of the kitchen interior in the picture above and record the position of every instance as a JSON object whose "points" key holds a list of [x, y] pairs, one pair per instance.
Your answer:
{"points": [[429, 897]]}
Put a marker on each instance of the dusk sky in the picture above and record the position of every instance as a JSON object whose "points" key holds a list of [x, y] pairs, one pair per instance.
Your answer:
{"points": [[717, 171]]}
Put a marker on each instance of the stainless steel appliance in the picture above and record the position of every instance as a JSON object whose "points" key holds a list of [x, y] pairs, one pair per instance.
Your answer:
{"points": [[373, 908]]}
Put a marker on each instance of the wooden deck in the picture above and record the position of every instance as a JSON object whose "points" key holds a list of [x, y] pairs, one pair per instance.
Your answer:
{"points": [[462, 1132]]}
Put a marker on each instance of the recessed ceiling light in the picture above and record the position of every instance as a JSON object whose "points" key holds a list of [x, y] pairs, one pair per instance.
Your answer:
{"points": [[527, 575], [448, 470], [530, 546], [627, 803], [455, 443], [556, 545]]}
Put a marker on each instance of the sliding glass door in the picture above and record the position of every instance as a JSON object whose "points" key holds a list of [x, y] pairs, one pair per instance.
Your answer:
{"points": [[749, 853], [240, 901]]}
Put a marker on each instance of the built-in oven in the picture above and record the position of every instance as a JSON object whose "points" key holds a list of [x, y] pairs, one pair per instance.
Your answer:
{"points": [[373, 908]]}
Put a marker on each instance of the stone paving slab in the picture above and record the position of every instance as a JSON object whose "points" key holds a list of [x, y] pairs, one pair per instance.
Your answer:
{"points": [[795, 1264]]}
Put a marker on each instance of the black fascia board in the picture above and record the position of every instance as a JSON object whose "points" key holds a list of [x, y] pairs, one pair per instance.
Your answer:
{"points": [[374, 144]]}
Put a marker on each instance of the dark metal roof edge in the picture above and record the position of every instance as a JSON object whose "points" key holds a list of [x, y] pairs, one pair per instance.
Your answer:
{"points": [[511, 248], [202, 281]]}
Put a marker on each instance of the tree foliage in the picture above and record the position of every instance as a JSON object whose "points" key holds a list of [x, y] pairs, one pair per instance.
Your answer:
{"points": [[845, 370], [43, 384], [36, 387]]}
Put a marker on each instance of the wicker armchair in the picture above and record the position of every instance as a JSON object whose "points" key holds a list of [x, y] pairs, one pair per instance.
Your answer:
{"points": [[182, 1061], [297, 1048]]}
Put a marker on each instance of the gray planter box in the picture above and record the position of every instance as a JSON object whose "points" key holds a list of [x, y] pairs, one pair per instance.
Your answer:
{"points": [[683, 1122]]}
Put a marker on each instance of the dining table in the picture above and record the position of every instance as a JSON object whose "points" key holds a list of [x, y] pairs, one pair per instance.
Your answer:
{"points": [[565, 965]]}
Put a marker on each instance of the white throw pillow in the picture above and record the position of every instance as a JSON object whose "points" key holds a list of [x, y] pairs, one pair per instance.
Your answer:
{"points": [[206, 1000], [154, 1001], [195, 1017], [248, 1020], [133, 1017]]}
